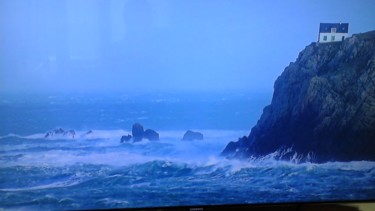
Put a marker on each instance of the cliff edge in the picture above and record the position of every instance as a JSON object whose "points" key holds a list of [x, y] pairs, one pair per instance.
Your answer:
{"points": [[322, 109]]}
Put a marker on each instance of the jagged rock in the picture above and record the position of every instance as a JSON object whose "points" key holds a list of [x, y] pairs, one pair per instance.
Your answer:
{"points": [[191, 135], [126, 138], [88, 132], [323, 105], [151, 135], [137, 132], [70, 133], [59, 132]]}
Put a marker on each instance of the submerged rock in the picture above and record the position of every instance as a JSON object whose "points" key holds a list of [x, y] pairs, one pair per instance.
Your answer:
{"points": [[191, 135], [323, 106]]}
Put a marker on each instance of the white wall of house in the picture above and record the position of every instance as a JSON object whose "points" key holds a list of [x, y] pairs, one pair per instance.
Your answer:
{"points": [[332, 37]]}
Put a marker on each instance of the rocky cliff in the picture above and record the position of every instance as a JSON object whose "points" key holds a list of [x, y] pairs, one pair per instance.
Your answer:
{"points": [[323, 106]]}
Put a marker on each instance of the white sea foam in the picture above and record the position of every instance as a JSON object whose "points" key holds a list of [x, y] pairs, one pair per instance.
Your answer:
{"points": [[111, 201], [34, 136], [83, 134], [103, 134], [103, 147], [63, 158], [350, 166], [10, 135], [108, 134], [66, 183]]}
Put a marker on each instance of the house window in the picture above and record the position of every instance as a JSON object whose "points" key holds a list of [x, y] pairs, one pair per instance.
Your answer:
{"points": [[324, 38], [333, 38], [342, 38], [333, 30]]}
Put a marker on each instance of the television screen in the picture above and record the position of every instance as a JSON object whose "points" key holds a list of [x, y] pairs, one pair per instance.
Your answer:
{"points": [[162, 103]]}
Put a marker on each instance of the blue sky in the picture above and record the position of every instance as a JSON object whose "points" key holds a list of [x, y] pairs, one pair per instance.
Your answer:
{"points": [[161, 45]]}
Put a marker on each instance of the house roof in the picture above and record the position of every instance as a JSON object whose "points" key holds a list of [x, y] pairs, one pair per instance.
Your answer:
{"points": [[340, 27]]}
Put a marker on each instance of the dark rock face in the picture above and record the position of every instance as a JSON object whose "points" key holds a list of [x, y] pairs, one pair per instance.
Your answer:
{"points": [[137, 132], [126, 138], [233, 147], [151, 135], [323, 106], [191, 135]]}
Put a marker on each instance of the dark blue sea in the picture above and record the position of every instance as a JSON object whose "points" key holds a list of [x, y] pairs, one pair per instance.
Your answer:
{"points": [[93, 170]]}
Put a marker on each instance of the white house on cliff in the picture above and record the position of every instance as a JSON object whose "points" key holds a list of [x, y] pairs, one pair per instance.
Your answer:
{"points": [[333, 32]]}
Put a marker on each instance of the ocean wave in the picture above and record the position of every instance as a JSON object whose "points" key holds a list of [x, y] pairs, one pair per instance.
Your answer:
{"points": [[104, 148], [286, 154], [79, 135], [111, 186], [368, 166], [289, 157], [108, 134], [12, 135], [63, 158], [59, 184], [111, 202]]}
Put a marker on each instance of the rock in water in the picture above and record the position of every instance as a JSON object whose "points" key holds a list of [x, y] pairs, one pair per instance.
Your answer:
{"points": [[151, 135], [323, 106], [88, 135], [60, 133], [70, 133], [126, 138], [137, 132], [191, 135]]}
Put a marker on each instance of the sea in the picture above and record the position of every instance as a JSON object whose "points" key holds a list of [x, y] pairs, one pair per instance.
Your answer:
{"points": [[92, 169]]}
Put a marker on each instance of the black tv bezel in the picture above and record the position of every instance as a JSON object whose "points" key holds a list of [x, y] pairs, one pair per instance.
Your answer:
{"points": [[351, 205]]}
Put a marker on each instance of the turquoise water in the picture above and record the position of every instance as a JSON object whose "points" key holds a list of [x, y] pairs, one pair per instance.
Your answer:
{"points": [[93, 171]]}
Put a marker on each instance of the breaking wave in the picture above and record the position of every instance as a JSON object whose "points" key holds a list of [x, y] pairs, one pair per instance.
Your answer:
{"points": [[100, 172]]}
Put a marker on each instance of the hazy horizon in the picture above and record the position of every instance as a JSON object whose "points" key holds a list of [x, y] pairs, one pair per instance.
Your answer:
{"points": [[160, 45]]}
